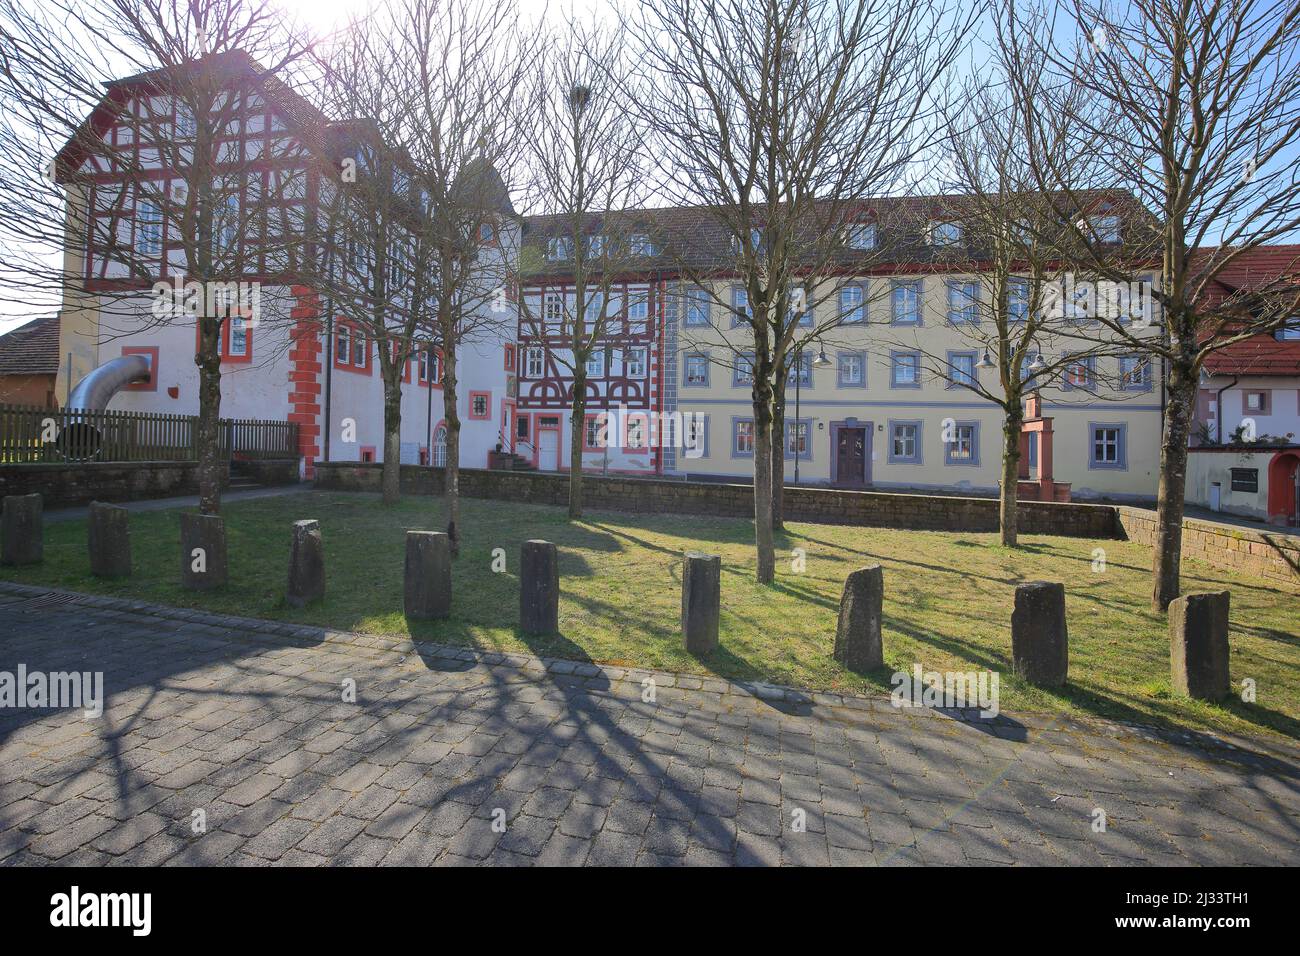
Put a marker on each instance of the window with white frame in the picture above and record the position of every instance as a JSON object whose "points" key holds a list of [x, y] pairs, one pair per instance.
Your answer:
{"points": [[639, 244], [594, 308], [596, 364], [634, 363], [360, 349], [636, 431], [1105, 228], [905, 442], [534, 363], [905, 302], [961, 369], [740, 305], [148, 228], [742, 372], [238, 336], [1290, 332], [593, 436], [1079, 373], [945, 233], [800, 309], [697, 307], [851, 370], [595, 245], [796, 440], [963, 445], [1018, 299], [1107, 446], [559, 248], [1134, 373], [853, 309], [343, 345], [697, 370], [553, 312], [638, 315], [905, 370], [963, 302], [861, 236], [742, 437], [800, 372]]}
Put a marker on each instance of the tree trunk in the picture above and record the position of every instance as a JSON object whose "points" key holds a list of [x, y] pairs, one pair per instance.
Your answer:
{"points": [[1173, 487], [451, 421], [778, 448], [763, 539], [1008, 515], [208, 428], [577, 428], [392, 473]]}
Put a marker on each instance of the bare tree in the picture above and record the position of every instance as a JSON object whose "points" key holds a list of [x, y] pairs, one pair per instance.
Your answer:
{"points": [[1008, 310], [472, 64], [1197, 115], [781, 120], [372, 218], [183, 188], [588, 165]]}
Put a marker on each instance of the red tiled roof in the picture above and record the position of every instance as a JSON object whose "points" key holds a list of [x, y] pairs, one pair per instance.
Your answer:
{"points": [[31, 349], [1263, 269]]}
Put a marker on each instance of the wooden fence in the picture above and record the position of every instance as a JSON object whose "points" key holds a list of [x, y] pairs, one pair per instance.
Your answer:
{"points": [[29, 433]]}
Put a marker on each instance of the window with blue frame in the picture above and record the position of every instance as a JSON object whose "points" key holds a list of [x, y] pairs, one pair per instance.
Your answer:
{"points": [[1018, 300], [853, 305], [963, 302], [740, 306], [905, 302], [851, 370], [1107, 445], [905, 370], [697, 307], [742, 373], [1135, 373], [803, 368], [696, 371], [963, 445], [961, 369], [905, 443]]}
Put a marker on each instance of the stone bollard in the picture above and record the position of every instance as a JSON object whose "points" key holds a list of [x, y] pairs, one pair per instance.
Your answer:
{"points": [[306, 564], [203, 551], [110, 541], [1198, 644], [539, 588], [1039, 645], [22, 533], [701, 596], [426, 590], [857, 637]]}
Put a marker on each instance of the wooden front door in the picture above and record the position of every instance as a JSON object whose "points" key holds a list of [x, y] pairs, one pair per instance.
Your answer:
{"points": [[851, 457]]}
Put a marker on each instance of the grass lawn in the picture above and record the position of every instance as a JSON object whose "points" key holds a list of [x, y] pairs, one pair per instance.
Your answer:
{"points": [[948, 599]]}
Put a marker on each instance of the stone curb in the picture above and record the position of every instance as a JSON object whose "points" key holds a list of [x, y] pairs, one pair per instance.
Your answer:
{"points": [[1002, 725]]}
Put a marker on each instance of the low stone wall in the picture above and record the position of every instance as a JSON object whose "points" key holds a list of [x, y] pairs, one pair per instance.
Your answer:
{"points": [[819, 505], [101, 481], [1269, 555], [271, 471]]}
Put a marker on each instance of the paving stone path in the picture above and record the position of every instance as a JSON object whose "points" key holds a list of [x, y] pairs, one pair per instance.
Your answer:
{"points": [[241, 725]]}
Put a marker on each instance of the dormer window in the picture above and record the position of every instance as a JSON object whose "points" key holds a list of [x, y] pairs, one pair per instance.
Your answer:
{"points": [[1105, 228], [945, 233], [861, 236], [485, 232], [639, 244], [596, 245], [559, 248]]}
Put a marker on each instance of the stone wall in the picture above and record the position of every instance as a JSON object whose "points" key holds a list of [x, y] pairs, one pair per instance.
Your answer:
{"points": [[270, 471], [1263, 553], [101, 481], [820, 505]]}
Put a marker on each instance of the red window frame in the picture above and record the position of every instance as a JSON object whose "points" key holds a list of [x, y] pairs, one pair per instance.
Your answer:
{"points": [[487, 410], [510, 357], [224, 347], [586, 424], [353, 334]]}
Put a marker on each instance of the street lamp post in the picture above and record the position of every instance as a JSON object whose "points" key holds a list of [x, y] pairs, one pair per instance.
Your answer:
{"points": [[821, 361]]}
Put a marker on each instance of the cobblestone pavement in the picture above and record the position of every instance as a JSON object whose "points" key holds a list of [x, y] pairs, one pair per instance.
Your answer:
{"points": [[244, 721]]}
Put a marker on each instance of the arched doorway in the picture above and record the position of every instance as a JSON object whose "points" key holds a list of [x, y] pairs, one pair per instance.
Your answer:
{"points": [[1282, 487]]}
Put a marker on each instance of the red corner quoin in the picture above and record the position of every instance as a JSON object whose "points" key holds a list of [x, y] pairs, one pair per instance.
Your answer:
{"points": [[304, 376]]}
